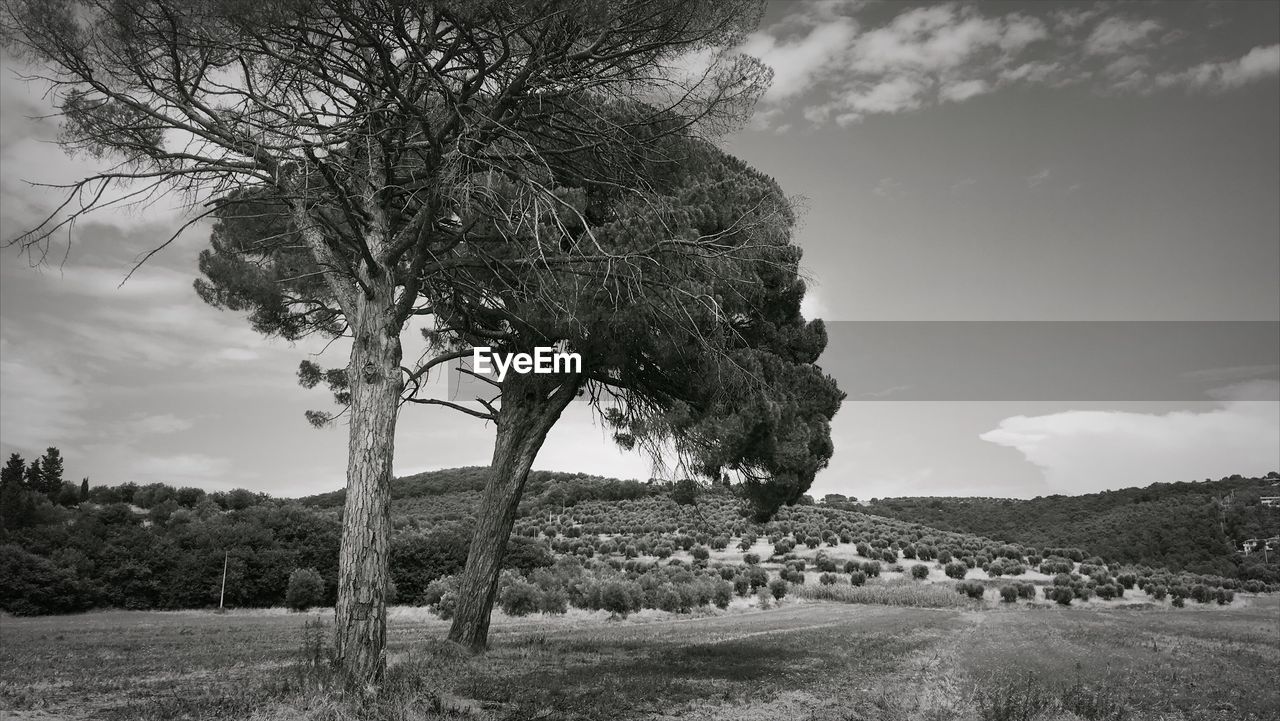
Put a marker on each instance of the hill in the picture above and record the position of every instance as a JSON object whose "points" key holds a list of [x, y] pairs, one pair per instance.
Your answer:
{"points": [[1191, 526]]}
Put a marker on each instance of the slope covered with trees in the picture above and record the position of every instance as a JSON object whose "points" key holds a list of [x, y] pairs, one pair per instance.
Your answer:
{"points": [[1193, 526]]}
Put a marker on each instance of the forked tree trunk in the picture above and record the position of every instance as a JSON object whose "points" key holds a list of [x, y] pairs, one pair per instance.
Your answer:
{"points": [[375, 384], [524, 419]]}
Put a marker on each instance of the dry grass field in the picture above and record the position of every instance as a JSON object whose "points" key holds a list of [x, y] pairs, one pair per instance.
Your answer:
{"points": [[802, 660]]}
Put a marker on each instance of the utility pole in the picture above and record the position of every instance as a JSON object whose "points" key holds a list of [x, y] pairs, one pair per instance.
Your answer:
{"points": [[223, 594]]}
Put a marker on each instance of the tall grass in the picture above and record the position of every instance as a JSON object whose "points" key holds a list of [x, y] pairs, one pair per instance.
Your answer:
{"points": [[893, 592]]}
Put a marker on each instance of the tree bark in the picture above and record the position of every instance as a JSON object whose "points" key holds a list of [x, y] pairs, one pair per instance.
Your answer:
{"points": [[528, 412], [363, 575]]}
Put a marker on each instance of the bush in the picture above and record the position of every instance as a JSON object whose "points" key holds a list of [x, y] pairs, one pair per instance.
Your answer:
{"points": [[616, 598], [1027, 591], [722, 594], [553, 601], [751, 559], [956, 570], [778, 588], [306, 589], [827, 579], [871, 568], [1062, 595], [826, 565], [972, 589], [520, 598], [700, 553], [919, 571], [857, 578], [1008, 594]]}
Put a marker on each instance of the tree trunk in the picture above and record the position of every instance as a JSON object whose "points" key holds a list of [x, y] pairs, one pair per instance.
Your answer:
{"points": [[524, 419], [363, 576]]}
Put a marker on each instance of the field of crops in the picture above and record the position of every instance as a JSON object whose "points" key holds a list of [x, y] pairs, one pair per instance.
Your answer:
{"points": [[799, 660]]}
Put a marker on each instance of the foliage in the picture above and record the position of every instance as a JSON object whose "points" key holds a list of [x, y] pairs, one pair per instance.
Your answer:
{"points": [[1193, 526], [306, 589]]}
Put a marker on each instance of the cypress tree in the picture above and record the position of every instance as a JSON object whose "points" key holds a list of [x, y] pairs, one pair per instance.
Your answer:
{"points": [[51, 473], [34, 479], [13, 470], [84, 489]]}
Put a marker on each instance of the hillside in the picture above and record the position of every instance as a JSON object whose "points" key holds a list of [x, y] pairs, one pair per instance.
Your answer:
{"points": [[589, 542], [1196, 527]]}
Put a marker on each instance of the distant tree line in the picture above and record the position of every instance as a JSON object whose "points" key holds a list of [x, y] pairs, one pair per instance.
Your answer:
{"points": [[1188, 526], [156, 546]]}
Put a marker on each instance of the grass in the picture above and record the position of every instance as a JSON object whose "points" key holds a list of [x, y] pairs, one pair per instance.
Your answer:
{"points": [[806, 660]]}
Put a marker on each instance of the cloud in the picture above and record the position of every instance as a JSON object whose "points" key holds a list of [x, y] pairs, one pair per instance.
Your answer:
{"points": [[1258, 64], [1088, 451], [1119, 34], [1036, 180], [182, 469], [963, 90], [156, 425], [798, 62], [837, 68], [41, 402]]}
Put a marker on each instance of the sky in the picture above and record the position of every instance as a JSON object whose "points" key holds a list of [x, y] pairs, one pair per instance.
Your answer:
{"points": [[1045, 238]]}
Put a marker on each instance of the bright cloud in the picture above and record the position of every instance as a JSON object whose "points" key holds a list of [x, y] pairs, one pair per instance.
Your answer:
{"points": [[1258, 64], [1088, 451], [1119, 34], [847, 70]]}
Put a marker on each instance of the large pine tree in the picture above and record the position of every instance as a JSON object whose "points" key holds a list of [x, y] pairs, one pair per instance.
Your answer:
{"points": [[51, 473], [13, 494], [34, 479]]}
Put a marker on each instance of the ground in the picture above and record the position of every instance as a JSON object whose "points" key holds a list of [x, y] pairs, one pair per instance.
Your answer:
{"points": [[803, 660]]}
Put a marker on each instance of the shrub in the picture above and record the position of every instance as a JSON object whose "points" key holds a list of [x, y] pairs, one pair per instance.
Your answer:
{"points": [[919, 571], [778, 588], [763, 597], [889, 555], [520, 598], [1062, 595], [722, 594], [827, 579], [553, 601], [751, 559], [1224, 596], [617, 599], [1157, 591], [1027, 591], [1178, 602], [700, 553], [305, 590], [956, 570], [741, 586], [1008, 594], [826, 565], [1127, 580], [871, 568], [972, 589], [857, 578]]}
